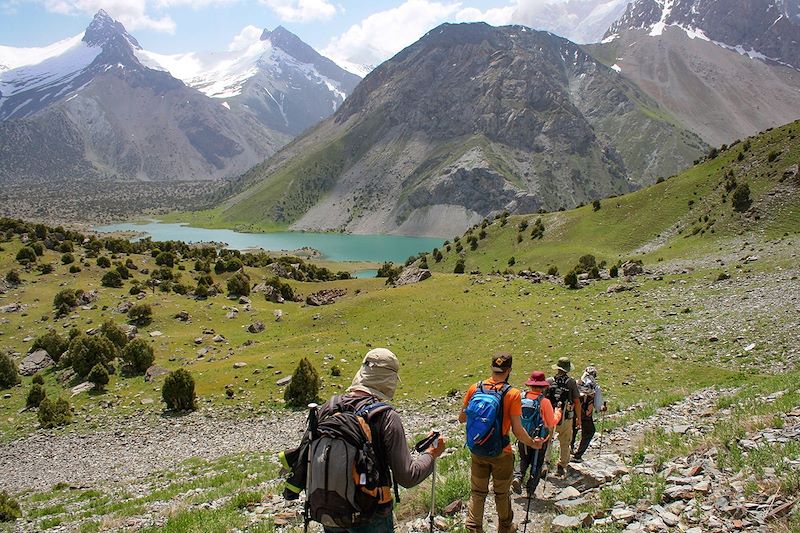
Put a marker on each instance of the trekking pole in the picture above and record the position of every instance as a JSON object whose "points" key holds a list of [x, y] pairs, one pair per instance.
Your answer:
{"points": [[312, 430], [535, 471], [420, 447], [602, 430]]}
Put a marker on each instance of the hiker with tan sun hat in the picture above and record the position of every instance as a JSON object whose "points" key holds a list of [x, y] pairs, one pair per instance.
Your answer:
{"points": [[563, 391]]}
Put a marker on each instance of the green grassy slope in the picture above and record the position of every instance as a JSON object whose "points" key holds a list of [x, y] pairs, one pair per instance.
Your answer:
{"points": [[687, 214]]}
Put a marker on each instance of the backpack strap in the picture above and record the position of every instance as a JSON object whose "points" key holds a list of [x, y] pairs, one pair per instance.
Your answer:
{"points": [[371, 412]]}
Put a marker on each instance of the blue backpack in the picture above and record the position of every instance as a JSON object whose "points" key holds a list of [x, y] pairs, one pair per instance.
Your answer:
{"points": [[485, 421], [532, 415]]}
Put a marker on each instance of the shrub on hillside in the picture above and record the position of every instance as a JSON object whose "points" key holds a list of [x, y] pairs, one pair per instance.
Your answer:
{"points": [[596, 205], [99, 376], [35, 396], [114, 333], [65, 300], [45, 268], [138, 355], [26, 255], [12, 277], [234, 265], [54, 413], [239, 285], [304, 387], [9, 375], [74, 269], [741, 197], [9, 508], [459, 268], [38, 379], [140, 314], [54, 344], [538, 229], [165, 259], [389, 271], [571, 280], [552, 270], [613, 271], [585, 264], [123, 271], [103, 262], [285, 290], [85, 352], [178, 391], [67, 259], [38, 249], [111, 279]]}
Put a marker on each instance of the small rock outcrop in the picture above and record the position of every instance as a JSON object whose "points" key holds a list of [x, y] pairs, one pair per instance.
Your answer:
{"points": [[325, 297], [35, 362], [411, 275], [256, 327]]}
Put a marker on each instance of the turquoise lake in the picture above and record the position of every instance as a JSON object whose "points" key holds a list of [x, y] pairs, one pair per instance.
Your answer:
{"points": [[332, 246]]}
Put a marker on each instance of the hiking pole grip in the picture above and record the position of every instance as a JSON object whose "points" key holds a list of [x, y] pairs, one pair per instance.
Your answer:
{"points": [[427, 442]]}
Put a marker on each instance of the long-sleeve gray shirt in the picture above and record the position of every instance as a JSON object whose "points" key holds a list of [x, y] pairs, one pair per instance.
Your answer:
{"points": [[408, 471]]}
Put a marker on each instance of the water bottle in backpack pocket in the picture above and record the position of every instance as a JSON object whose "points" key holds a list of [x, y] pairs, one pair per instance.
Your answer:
{"points": [[485, 421]]}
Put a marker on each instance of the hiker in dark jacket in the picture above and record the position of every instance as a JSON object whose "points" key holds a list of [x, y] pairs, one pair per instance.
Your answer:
{"points": [[376, 381], [591, 401], [571, 406]]}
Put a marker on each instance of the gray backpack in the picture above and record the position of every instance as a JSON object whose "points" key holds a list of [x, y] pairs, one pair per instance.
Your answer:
{"points": [[348, 479]]}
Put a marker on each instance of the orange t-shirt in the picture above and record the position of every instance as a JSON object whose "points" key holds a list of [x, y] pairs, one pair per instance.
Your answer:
{"points": [[512, 404]]}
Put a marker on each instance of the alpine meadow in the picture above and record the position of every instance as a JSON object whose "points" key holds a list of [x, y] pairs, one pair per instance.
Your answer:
{"points": [[605, 336]]}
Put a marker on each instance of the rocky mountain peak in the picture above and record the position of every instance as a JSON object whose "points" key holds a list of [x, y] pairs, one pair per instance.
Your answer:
{"points": [[104, 30], [764, 29]]}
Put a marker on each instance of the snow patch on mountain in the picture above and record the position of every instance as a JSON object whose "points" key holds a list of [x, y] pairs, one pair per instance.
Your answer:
{"points": [[50, 75], [13, 57]]}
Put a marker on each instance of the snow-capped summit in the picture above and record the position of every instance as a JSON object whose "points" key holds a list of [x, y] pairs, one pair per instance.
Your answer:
{"points": [[763, 29], [87, 108], [283, 81], [104, 29], [39, 77]]}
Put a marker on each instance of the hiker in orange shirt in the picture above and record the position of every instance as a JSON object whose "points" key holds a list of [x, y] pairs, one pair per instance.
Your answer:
{"points": [[539, 420]]}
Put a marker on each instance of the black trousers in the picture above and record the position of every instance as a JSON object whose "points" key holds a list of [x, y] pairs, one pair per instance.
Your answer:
{"points": [[526, 460], [587, 432]]}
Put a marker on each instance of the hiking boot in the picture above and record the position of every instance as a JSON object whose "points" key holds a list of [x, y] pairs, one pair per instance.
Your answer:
{"points": [[516, 485], [560, 471], [576, 459]]}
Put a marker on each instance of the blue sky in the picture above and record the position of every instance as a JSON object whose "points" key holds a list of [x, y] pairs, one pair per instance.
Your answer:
{"points": [[365, 31]]}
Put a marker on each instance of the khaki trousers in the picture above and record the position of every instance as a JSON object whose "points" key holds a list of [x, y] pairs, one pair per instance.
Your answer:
{"points": [[501, 470], [564, 433]]}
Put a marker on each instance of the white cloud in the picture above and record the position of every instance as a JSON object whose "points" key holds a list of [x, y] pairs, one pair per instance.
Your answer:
{"points": [[301, 10], [383, 34], [132, 13], [499, 16], [245, 38]]}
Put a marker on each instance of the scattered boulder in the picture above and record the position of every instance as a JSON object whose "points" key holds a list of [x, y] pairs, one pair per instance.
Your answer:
{"points": [[65, 375], [452, 508], [83, 387], [244, 300], [183, 316], [12, 308], [256, 327], [156, 333], [35, 362], [281, 270], [153, 372], [278, 314], [124, 307], [219, 338], [239, 364], [130, 330], [619, 287], [283, 381], [632, 268], [87, 297], [595, 472], [565, 522], [411, 275], [325, 296]]}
